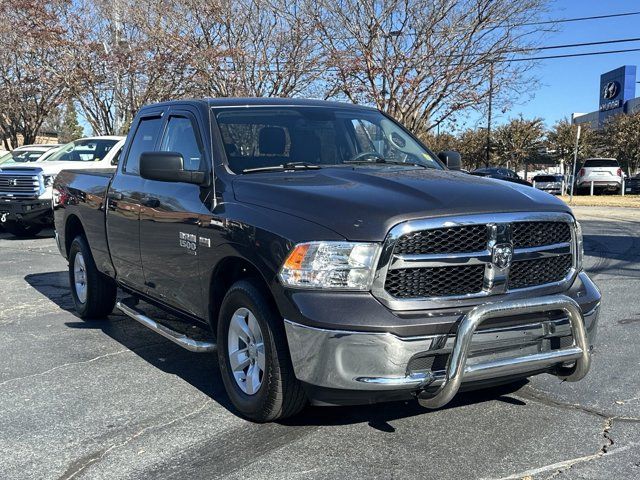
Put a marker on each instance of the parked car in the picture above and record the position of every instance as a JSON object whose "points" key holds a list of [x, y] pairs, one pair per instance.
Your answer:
{"points": [[632, 185], [28, 153], [25, 189], [549, 183], [500, 174], [605, 173], [332, 256]]}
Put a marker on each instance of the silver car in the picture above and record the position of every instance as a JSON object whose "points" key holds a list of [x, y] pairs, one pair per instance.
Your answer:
{"points": [[549, 183], [605, 173]]}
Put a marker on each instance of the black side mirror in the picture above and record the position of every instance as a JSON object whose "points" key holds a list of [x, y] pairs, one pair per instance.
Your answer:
{"points": [[452, 160], [168, 167], [115, 159]]}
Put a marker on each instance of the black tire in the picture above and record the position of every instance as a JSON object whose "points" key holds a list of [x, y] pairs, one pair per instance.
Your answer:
{"points": [[100, 290], [22, 230], [280, 395]]}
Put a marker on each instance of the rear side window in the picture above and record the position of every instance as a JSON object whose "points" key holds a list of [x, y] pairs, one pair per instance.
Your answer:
{"points": [[143, 141], [180, 137], [601, 162], [545, 178]]}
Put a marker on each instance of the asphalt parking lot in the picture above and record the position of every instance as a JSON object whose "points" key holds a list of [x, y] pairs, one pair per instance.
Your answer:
{"points": [[110, 399]]}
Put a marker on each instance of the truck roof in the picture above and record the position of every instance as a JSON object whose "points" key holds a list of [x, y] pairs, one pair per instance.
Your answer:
{"points": [[261, 101]]}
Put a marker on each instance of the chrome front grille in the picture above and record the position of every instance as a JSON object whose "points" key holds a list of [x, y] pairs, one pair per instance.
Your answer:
{"points": [[536, 234], [468, 238], [530, 273], [19, 185], [463, 258], [435, 281]]}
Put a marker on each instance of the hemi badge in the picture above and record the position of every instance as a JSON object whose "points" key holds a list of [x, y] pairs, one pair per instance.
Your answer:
{"points": [[205, 242]]}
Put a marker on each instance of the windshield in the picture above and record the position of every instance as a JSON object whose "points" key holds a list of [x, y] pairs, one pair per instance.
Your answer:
{"points": [[547, 178], [601, 162], [263, 137], [22, 156], [86, 150]]}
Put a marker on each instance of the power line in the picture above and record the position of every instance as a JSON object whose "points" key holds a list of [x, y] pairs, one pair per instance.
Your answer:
{"points": [[569, 55], [585, 44], [576, 19]]}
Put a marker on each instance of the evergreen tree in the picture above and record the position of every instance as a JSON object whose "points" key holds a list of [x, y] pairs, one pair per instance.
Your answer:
{"points": [[70, 129]]}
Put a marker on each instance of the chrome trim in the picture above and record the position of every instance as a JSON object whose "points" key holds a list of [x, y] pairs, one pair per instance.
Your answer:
{"points": [[457, 369], [375, 361], [181, 339], [495, 282], [31, 184]]}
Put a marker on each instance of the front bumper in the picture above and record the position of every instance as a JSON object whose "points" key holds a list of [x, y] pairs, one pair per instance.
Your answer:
{"points": [[376, 362], [31, 211]]}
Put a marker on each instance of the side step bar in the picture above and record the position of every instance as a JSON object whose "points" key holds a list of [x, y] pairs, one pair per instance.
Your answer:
{"points": [[457, 369], [181, 339]]}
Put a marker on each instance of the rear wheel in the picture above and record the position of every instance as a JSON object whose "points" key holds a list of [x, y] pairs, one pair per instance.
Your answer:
{"points": [[254, 356], [94, 294], [22, 230]]}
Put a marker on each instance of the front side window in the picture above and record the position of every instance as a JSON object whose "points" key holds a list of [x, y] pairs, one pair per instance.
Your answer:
{"points": [[259, 137], [144, 140], [84, 150], [180, 137]]}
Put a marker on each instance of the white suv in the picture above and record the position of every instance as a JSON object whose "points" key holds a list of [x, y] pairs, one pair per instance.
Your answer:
{"points": [[605, 173]]}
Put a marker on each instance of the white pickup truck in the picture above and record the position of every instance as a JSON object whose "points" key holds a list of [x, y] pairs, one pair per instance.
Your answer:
{"points": [[26, 191]]}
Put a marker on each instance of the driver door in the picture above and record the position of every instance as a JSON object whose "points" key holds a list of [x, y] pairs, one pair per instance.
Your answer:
{"points": [[169, 220]]}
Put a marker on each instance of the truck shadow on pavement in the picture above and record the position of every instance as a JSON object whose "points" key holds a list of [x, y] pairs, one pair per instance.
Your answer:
{"points": [[46, 233], [201, 370]]}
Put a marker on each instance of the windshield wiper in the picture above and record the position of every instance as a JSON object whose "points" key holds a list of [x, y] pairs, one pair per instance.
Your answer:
{"points": [[285, 167], [384, 161]]}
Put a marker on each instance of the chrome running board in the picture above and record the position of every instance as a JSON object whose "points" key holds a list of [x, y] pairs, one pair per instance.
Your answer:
{"points": [[181, 339], [578, 354]]}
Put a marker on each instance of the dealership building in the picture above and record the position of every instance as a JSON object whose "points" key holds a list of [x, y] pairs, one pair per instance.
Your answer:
{"points": [[617, 97]]}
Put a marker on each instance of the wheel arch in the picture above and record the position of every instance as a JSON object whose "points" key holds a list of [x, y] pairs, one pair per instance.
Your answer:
{"points": [[227, 272], [72, 228]]}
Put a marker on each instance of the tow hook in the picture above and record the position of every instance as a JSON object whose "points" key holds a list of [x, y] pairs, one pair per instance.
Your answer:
{"points": [[3, 218]]}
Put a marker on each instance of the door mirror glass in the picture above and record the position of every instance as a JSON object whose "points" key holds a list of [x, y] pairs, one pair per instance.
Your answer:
{"points": [[452, 160], [168, 167]]}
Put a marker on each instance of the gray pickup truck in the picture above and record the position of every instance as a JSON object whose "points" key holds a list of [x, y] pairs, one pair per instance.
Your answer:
{"points": [[328, 253]]}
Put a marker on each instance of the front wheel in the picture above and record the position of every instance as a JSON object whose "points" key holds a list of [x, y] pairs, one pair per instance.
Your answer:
{"points": [[22, 230], [94, 294], [254, 357]]}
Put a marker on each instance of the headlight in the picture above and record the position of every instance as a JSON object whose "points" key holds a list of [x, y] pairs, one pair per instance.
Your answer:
{"points": [[334, 265], [579, 246], [48, 180]]}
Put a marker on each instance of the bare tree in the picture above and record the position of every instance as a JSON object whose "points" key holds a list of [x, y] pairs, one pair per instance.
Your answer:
{"points": [[123, 54], [423, 61], [31, 38], [251, 47]]}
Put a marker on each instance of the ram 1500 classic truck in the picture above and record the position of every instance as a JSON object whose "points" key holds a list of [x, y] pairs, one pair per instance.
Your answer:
{"points": [[331, 255], [26, 189]]}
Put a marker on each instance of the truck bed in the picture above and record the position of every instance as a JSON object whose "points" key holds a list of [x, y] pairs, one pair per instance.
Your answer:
{"points": [[82, 193]]}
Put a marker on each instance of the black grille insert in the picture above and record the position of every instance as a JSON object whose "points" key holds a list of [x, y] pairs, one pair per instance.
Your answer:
{"points": [[530, 273], [467, 238], [435, 282], [537, 234]]}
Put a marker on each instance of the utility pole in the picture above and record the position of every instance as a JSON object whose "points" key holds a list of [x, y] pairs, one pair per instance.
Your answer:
{"points": [[117, 26], [488, 157]]}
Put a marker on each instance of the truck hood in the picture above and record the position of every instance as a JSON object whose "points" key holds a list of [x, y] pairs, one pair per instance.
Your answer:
{"points": [[363, 203], [49, 168]]}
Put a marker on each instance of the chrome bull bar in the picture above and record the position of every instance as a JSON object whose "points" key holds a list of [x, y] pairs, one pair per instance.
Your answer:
{"points": [[457, 369]]}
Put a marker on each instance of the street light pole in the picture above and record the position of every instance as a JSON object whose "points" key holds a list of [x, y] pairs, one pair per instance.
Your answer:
{"points": [[575, 163]]}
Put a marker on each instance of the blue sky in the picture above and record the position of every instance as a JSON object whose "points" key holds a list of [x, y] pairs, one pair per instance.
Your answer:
{"points": [[572, 84]]}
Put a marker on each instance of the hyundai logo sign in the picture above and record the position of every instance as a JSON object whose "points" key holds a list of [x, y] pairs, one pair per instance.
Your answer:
{"points": [[611, 90]]}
